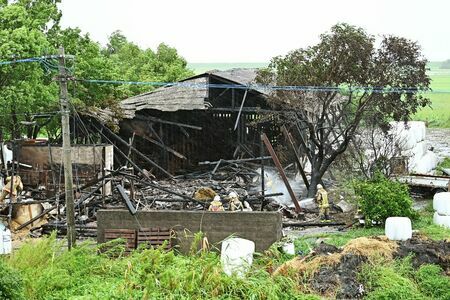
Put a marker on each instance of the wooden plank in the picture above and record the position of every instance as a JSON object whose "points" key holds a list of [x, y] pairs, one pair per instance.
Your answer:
{"points": [[275, 159]]}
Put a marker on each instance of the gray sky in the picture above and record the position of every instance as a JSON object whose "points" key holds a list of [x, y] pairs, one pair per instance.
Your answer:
{"points": [[255, 31]]}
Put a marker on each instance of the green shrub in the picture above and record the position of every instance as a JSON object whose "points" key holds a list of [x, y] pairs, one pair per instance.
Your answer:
{"points": [[11, 285], [432, 282], [380, 198]]}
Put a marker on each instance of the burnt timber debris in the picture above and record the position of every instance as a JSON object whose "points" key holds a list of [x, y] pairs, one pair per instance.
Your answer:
{"points": [[158, 151]]}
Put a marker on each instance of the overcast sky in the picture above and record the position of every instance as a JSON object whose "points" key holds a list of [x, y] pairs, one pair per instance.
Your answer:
{"points": [[255, 31]]}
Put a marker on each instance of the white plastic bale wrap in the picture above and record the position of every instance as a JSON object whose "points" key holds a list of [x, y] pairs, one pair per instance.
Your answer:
{"points": [[419, 150], [237, 256], [441, 203], [398, 228], [441, 220], [409, 135], [426, 164]]}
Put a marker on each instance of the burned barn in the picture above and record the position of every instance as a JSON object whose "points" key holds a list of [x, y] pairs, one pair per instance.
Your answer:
{"points": [[212, 116]]}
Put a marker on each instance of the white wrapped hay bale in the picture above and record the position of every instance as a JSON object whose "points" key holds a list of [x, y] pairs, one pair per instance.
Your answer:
{"points": [[398, 228], [420, 149], [441, 220], [441, 203], [417, 129], [426, 164], [237, 256], [410, 134]]}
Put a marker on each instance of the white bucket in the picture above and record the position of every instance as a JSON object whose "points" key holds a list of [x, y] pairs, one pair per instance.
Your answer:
{"points": [[5, 240], [289, 248], [441, 203], [398, 228], [441, 220], [237, 256]]}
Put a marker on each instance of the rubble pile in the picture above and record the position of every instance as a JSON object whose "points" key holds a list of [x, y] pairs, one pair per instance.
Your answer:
{"points": [[139, 192]]}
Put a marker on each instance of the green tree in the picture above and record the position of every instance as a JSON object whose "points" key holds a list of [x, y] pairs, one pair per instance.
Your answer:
{"points": [[24, 88], [346, 57], [136, 64], [30, 28]]}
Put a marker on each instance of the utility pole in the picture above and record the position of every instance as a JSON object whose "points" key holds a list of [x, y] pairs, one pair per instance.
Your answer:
{"points": [[67, 157]]}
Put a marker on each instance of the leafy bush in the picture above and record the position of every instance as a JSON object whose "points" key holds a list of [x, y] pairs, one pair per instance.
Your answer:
{"points": [[11, 285], [432, 282], [380, 198]]}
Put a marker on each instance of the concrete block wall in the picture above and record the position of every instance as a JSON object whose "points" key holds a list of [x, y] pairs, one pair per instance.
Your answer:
{"points": [[264, 228]]}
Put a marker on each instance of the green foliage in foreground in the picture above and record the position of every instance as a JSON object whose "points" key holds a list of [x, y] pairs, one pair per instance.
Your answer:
{"points": [[51, 273], [11, 285], [380, 198], [398, 280]]}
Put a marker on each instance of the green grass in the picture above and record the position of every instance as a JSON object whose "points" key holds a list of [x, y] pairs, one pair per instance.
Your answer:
{"points": [[398, 280], [438, 115], [48, 272]]}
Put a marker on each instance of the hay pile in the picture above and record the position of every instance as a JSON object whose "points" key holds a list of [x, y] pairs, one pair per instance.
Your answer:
{"points": [[368, 248]]}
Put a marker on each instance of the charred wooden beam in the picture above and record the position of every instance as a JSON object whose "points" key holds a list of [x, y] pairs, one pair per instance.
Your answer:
{"points": [[158, 187], [89, 184], [297, 157], [240, 110], [143, 156], [157, 120], [234, 161], [256, 110], [167, 148], [309, 224], [124, 196], [275, 159]]}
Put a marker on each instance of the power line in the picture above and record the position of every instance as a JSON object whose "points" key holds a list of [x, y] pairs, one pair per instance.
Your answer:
{"points": [[31, 59], [30, 114], [50, 66], [259, 87]]}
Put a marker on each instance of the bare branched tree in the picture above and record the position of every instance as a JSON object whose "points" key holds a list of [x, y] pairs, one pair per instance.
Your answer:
{"points": [[346, 79]]}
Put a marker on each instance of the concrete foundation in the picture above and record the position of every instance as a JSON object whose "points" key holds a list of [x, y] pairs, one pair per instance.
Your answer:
{"points": [[264, 228]]}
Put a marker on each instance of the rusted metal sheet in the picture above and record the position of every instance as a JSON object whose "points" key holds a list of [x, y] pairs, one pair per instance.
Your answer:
{"points": [[281, 171], [129, 235], [155, 237]]}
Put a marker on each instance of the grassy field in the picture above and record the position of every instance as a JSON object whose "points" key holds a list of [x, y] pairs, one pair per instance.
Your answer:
{"points": [[438, 115], [203, 67]]}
